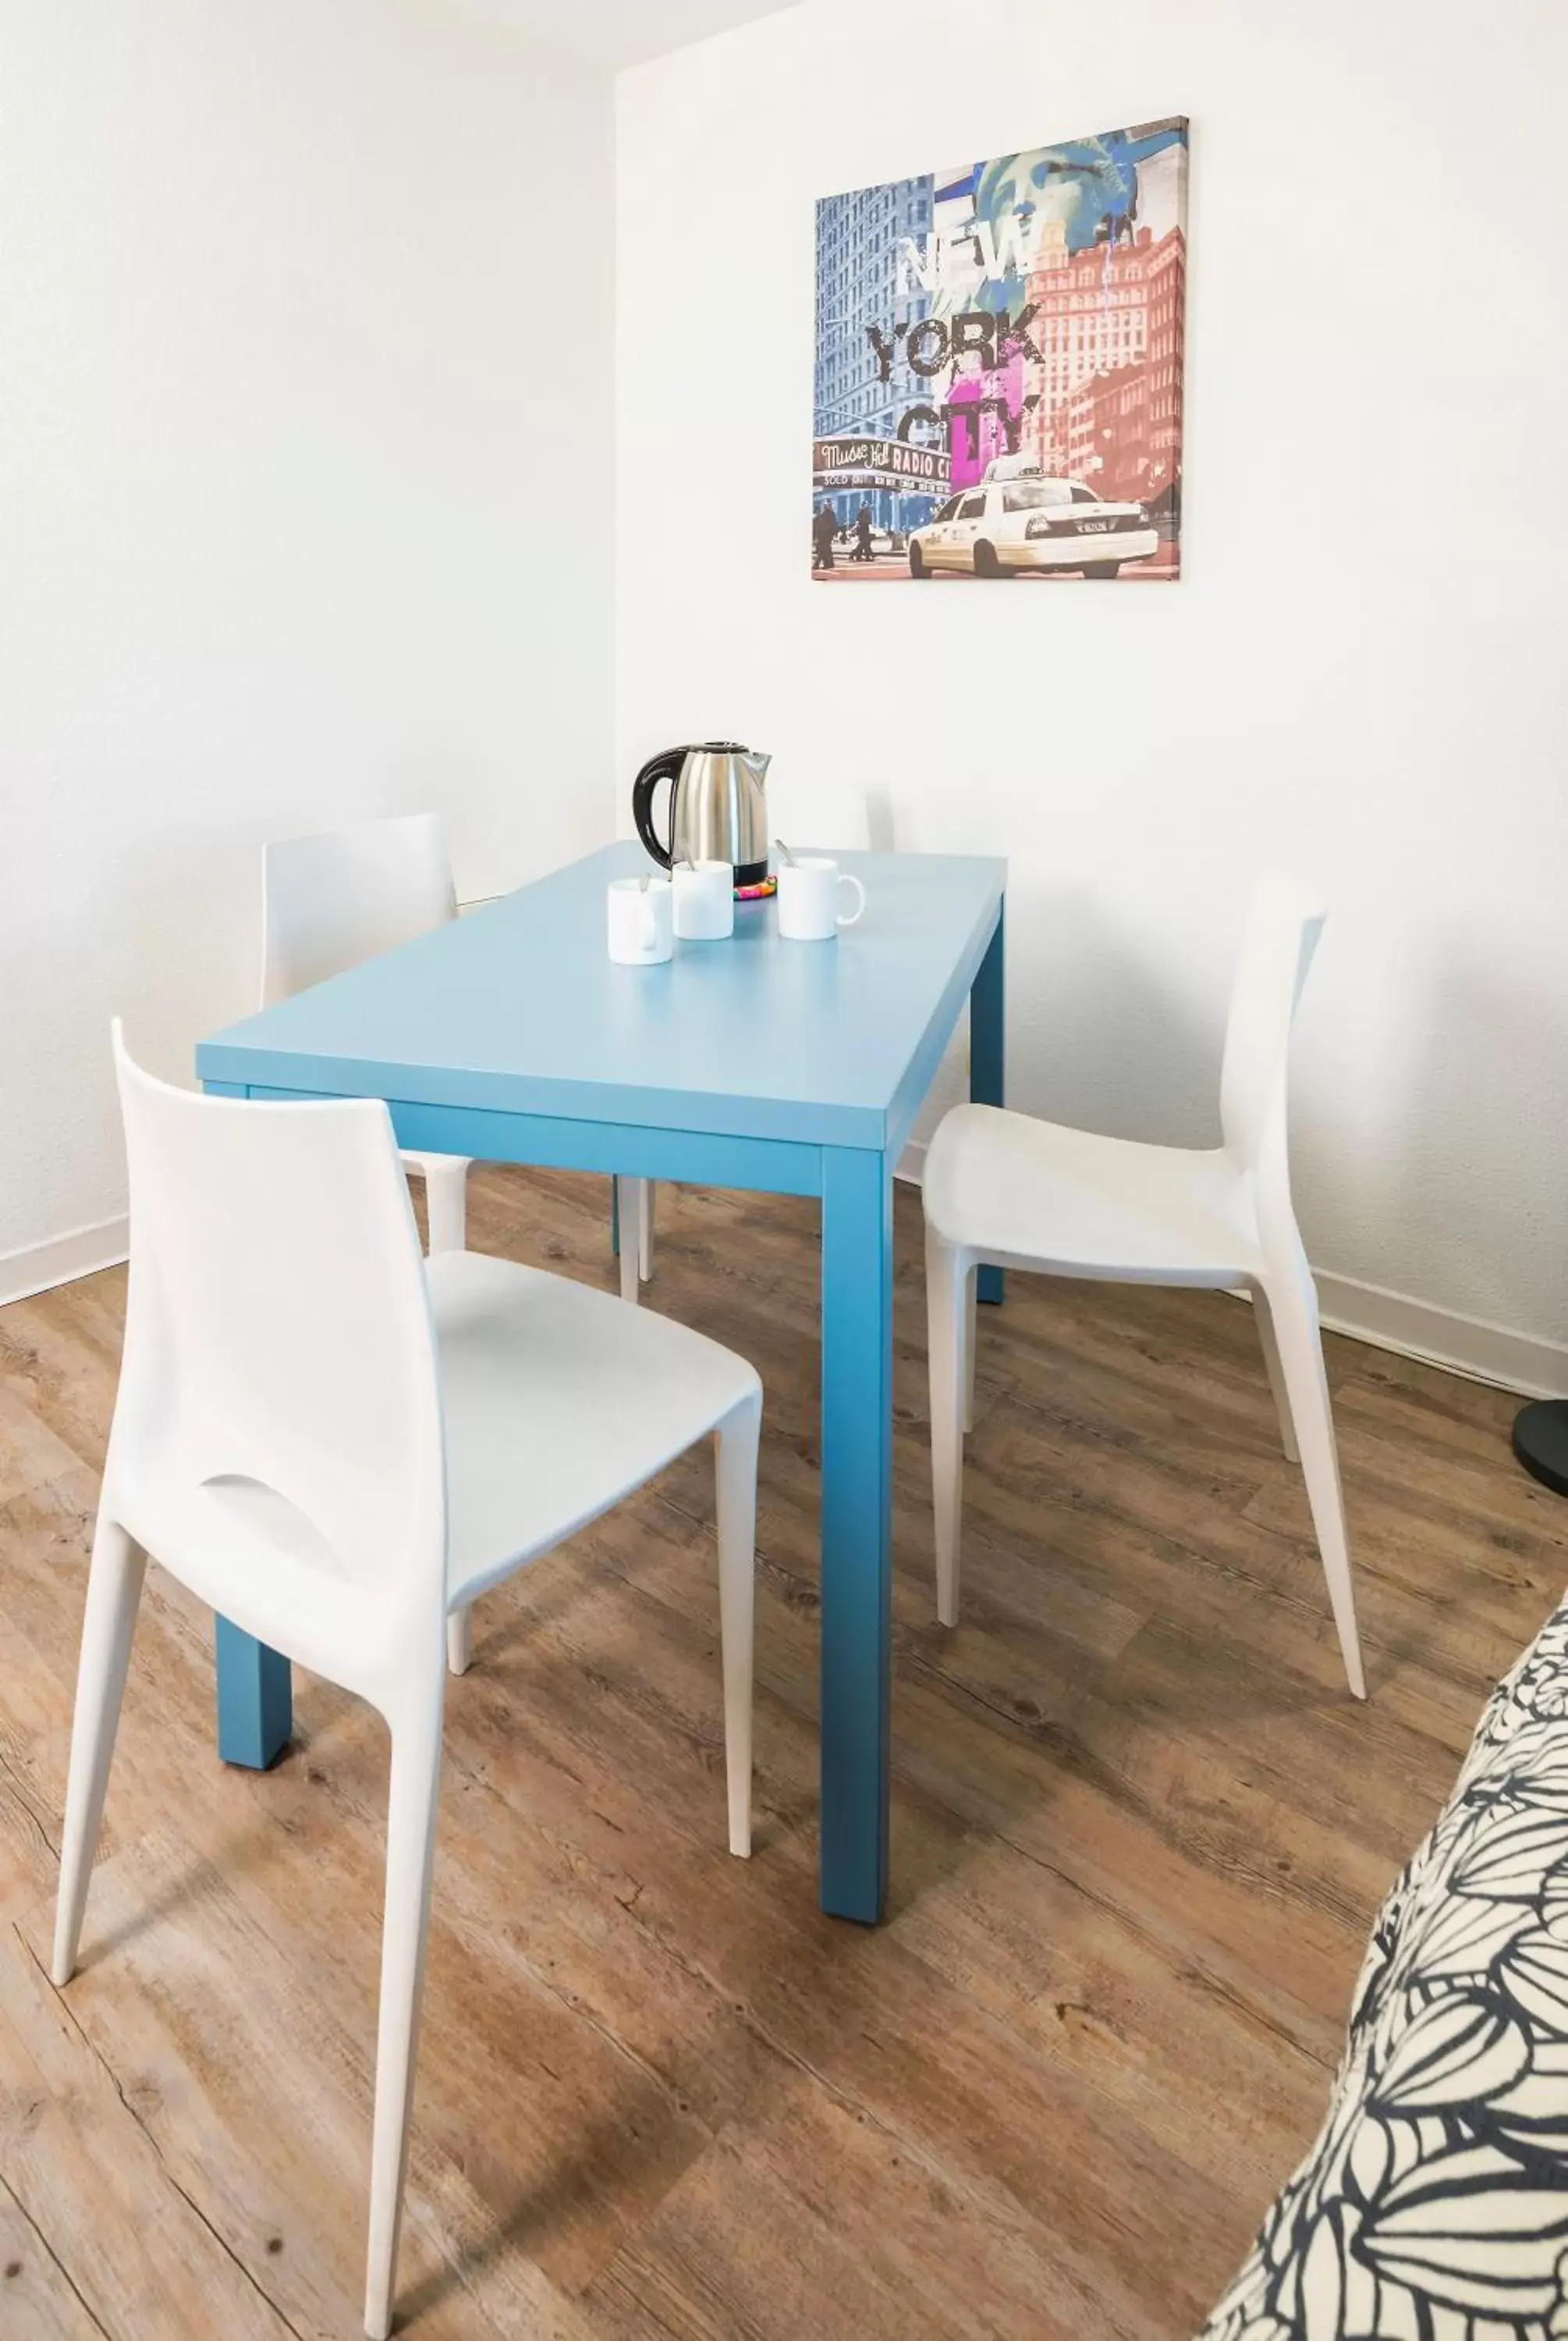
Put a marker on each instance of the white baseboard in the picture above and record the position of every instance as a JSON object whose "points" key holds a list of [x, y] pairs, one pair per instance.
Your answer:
{"points": [[1471, 1346], [36, 1267]]}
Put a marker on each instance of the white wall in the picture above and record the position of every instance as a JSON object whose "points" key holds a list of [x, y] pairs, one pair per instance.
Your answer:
{"points": [[1362, 678], [304, 505]]}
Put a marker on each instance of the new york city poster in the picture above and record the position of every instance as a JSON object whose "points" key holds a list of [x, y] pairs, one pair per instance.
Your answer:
{"points": [[998, 388]]}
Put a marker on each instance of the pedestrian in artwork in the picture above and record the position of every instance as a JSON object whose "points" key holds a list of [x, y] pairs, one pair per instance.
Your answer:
{"points": [[862, 534], [824, 528]]}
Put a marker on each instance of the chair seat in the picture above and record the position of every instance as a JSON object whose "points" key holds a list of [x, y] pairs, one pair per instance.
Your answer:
{"points": [[559, 1400], [1035, 1193]]}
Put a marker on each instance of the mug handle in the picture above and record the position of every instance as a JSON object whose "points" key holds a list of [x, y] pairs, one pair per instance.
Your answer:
{"points": [[847, 878]]}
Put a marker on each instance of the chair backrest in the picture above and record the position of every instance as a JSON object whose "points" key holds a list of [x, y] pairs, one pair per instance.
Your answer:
{"points": [[329, 902], [1285, 918], [278, 1327], [815, 814]]}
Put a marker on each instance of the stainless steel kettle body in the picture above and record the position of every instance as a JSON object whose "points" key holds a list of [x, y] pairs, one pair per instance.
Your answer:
{"points": [[718, 811]]}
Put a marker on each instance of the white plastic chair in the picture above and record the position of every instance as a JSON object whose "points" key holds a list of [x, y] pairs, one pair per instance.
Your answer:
{"points": [[1003, 1189], [329, 902], [336, 1445]]}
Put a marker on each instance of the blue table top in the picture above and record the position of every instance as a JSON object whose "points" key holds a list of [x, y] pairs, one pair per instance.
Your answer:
{"points": [[518, 1009]]}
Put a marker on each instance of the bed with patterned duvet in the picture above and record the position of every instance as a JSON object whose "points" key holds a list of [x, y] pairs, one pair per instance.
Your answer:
{"points": [[1435, 2204]]}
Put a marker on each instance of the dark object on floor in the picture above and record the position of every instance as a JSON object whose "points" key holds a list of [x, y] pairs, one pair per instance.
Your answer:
{"points": [[1540, 1442]]}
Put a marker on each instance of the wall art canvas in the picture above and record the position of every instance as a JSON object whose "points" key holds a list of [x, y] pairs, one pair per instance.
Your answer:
{"points": [[999, 386]]}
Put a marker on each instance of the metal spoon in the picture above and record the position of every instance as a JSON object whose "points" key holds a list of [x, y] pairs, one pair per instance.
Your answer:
{"points": [[784, 850]]}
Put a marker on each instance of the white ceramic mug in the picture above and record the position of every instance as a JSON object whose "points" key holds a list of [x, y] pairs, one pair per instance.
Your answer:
{"points": [[809, 909], [704, 901], [638, 913]]}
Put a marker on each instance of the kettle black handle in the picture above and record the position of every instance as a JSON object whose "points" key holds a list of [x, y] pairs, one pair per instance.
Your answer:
{"points": [[658, 768]]}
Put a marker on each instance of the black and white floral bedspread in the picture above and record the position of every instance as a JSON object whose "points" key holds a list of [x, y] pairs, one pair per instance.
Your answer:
{"points": [[1434, 2205]]}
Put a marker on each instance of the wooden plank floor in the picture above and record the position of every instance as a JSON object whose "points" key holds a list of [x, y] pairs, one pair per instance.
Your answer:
{"points": [[1139, 1830]]}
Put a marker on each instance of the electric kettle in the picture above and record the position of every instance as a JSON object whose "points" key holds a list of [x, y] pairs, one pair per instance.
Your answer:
{"points": [[717, 809]]}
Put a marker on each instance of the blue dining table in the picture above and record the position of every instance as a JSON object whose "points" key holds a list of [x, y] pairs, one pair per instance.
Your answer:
{"points": [[790, 1068]]}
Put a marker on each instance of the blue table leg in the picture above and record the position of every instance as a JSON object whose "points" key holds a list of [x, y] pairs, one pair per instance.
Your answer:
{"points": [[255, 1700], [857, 1528], [987, 1052]]}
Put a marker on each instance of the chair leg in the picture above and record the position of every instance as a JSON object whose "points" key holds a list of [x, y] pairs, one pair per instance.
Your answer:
{"points": [[1271, 1359], [971, 1290], [405, 1924], [446, 1205], [946, 1278], [628, 1216], [1292, 1303], [460, 1640], [113, 1595], [645, 1230], [736, 1475]]}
